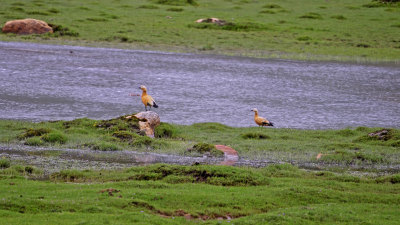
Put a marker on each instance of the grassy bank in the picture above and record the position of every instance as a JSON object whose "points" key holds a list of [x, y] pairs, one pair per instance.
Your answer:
{"points": [[164, 194], [354, 146], [361, 30]]}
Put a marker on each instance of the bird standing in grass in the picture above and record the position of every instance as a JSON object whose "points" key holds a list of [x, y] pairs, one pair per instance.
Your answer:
{"points": [[261, 121], [147, 99]]}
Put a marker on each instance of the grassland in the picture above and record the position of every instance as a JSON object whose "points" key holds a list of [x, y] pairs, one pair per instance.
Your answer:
{"points": [[201, 194], [165, 194], [360, 30]]}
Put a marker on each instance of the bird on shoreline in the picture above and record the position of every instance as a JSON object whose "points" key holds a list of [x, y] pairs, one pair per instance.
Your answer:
{"points": [[147, 99], [261, 121]]}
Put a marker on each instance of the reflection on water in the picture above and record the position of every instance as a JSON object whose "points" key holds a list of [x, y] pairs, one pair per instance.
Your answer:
{"points": [[43, 82]]}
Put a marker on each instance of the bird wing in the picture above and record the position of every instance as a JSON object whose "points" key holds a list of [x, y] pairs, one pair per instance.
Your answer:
{"points": [[152, 100], [260, 120], [149, 100]]}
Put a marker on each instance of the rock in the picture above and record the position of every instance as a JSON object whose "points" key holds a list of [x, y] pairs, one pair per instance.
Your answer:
{"points": [[212, 20], [27, 26], [148, 122], [381, 134]]}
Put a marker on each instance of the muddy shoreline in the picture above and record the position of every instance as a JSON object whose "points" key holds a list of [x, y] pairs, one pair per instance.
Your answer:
{"points": [[52, 160]]}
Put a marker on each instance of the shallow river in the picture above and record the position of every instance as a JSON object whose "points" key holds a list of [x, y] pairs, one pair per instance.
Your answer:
{"points": [[46, 82]]}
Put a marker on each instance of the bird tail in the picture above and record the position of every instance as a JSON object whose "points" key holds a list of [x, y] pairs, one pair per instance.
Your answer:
{"points": [[155, 105], [268, 124]]}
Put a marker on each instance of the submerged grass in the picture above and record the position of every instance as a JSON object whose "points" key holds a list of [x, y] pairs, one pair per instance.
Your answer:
{"points": [[167, 194], [336, 29]]}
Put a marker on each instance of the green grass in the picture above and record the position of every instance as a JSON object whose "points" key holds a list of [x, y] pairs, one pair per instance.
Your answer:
{"points": [[347, 146], [350, 146], [165, 194], [360, 30]]}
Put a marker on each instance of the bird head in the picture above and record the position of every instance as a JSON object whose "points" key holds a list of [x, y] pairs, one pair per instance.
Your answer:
{"points": [[254, 110], [143, 88]]}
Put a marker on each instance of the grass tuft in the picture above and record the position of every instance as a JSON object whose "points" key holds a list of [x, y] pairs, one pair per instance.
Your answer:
{"points": [[215, 175], [59, 31], [175, 9], [68, 175], [148, 7], [338, 17], [4, 163], [31, 132], [394, 179], [124, 135], [249, 26], [203, 148], [96, 19], [54, 137], [177, 2], [40, 13], [304, 38], [255, 136], [272, 6], [311, 15], [17, 9], [34, 141], [165, 130]]}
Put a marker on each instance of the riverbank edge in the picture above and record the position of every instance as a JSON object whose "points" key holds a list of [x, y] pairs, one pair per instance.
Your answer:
{"points": [[259, 54]]}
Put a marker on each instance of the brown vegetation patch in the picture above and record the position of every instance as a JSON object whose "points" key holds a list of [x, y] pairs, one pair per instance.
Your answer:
{"points": [[127, 122], [142, 204], [31, 132], [110, 191], [204, 217]]}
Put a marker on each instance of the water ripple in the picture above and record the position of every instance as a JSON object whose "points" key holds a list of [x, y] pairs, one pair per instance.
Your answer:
{"points": [[47, 82]]}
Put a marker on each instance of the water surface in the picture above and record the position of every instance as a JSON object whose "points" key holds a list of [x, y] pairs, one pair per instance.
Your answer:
{"points": [[47, 82]]}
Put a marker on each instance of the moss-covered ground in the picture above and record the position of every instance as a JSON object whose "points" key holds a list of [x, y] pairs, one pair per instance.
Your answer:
{"points": [[359, 30]]}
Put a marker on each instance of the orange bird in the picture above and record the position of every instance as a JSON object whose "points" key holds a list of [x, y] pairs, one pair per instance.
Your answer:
{"points": [[147, 99], [261, 121]]}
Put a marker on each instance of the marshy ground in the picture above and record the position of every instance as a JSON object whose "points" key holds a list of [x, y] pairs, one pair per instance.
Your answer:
{"points": [[119, 141]]}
